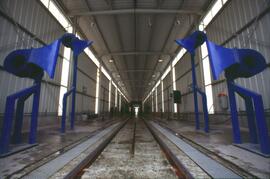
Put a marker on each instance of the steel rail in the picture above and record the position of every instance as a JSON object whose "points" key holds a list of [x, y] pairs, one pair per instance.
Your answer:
{"points": [[181, 169], [78, 170]]}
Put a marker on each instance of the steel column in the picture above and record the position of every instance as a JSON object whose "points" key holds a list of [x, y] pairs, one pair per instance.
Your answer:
{"points": [[9, 110], [17, 134], [34, 117], [64, 106], [259, 114]]}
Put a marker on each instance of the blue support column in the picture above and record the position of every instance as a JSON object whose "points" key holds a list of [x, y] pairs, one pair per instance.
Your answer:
{"points": [[234, 113], [34, 117], [77, 47], [194, 88], [73, 92], [261, 125], [259, 114], [7, 125], [251, 121], [9, 110], [63, 121], [190, 43], [17, 134], [205, 110]]}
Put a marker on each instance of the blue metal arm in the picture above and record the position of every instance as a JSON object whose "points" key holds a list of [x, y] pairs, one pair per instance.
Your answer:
{"points": [[19, 119], [77, 46], [204, 99], [63, 121], [261, 125], [190, 43], [9, 110], [205, 109]]}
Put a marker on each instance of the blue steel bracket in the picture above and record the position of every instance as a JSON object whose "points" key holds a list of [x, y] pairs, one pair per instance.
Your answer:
{"points": [[77, 46], [63, 121], [190, 43], [17, 133], [252, 99], [205, 110], [242, 63], [31, 63], [8, 116]]}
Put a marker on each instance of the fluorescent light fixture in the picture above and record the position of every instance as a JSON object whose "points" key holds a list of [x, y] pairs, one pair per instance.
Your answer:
{"points": [[157, 84], [110, 91], [116, 91], [166, 72], [162, 97], [114, 84], [179, 55], [97, 93], [160, 60], [105, 73], [156, 101]]}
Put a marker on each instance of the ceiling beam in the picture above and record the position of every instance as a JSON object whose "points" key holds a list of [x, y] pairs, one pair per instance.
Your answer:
{"points": [[133, 80], [135, 70], [135, 53], [132, 11], [141, 86]]}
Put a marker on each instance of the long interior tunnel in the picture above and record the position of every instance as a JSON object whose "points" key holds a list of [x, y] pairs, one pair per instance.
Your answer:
{"points": [[134, 89]]}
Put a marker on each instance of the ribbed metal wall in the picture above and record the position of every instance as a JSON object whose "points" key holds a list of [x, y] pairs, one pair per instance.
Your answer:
{"points": [[104, 93], [148, 104], [86, 85], [230, 28], [167, 89]]}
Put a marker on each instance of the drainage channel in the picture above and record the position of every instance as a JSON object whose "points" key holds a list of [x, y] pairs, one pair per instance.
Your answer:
{"points": [[132, 153]]}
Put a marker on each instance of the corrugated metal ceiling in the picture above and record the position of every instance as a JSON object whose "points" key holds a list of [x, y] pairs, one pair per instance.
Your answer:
{"points": [[135, 40]]}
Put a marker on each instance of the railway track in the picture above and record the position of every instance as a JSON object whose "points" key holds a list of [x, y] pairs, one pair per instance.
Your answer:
{"points": [[135, 148]]}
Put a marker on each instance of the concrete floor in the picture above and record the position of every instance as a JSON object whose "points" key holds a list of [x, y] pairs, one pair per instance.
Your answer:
{"points": [[129, 157], [219, 141], [51, 144]]}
